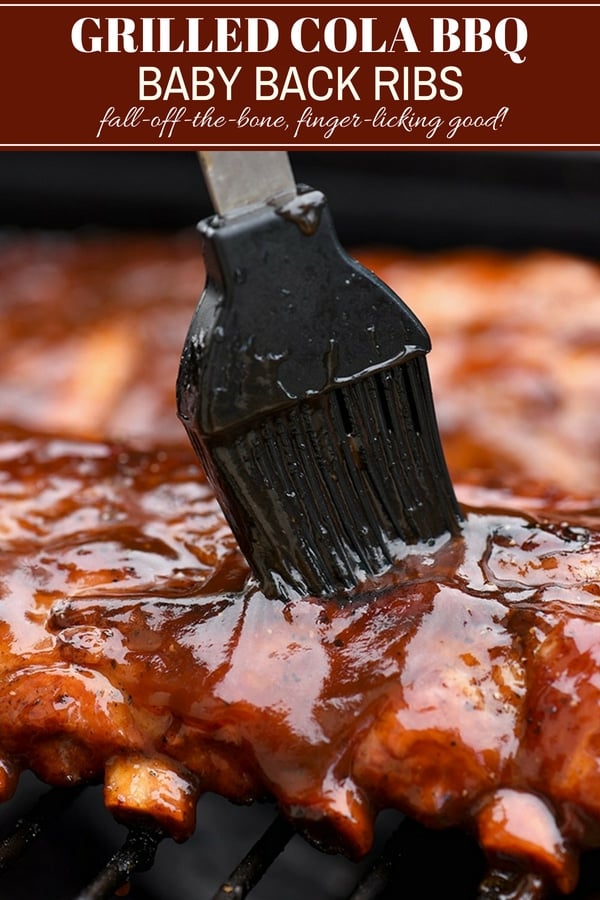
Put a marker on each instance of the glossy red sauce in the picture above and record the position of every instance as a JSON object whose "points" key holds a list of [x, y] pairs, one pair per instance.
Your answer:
{"points": [[462, 687], [456, 687], [515, 347]]}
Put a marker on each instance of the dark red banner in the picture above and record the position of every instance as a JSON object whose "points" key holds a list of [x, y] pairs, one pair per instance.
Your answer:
{"points": [[299, 76]]}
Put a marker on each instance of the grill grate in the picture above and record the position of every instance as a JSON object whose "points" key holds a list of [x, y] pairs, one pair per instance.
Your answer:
{"points": [[254, 865], [42, 815], [376, 879], [409, 861], [136, 855]]}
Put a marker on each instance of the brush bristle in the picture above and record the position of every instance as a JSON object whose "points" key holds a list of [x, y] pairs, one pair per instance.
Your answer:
{"points": [[320, 494]]}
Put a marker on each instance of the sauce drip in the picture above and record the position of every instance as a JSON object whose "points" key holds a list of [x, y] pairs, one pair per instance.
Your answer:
{"points": [[461, 688], [459, 684]]}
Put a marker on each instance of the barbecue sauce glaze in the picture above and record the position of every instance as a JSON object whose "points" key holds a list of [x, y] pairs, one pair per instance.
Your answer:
{"points": [[514, 365], [462, 687]]}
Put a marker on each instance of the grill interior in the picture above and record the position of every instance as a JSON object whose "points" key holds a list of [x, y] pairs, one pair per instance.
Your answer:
{"points": [[61, 844], [425, 200]]}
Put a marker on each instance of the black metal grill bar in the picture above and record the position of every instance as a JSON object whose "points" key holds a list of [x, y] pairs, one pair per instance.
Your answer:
{"points": [[254, 865], [42, 814], [379, 875], [399, 862], [136, 855]]}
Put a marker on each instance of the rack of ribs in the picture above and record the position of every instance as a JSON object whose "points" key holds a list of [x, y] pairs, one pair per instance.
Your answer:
{"points": [[461, 687]]}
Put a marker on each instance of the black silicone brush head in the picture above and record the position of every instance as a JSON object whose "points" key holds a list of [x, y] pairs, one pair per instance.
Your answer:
{"points": [[304, 389]]}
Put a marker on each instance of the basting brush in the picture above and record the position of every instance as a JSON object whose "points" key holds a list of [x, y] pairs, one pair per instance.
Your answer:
{"points": [[304, 389]]}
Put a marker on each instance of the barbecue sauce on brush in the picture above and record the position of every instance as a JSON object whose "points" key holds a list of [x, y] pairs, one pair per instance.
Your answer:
{"points": [[462, 687]]}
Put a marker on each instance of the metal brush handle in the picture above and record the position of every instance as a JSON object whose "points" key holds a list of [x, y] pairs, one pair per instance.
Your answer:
{"points": [[240, 180]]}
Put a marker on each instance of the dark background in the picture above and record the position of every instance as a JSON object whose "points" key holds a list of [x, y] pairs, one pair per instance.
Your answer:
{"points": [[420, 200]]}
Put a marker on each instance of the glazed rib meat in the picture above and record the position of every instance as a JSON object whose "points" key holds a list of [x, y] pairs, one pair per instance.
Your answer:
{"points": [[462, 687], [514, 363]]}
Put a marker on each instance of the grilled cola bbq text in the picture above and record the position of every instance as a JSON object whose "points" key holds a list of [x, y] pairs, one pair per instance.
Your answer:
{"points": [[306, 35]]}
